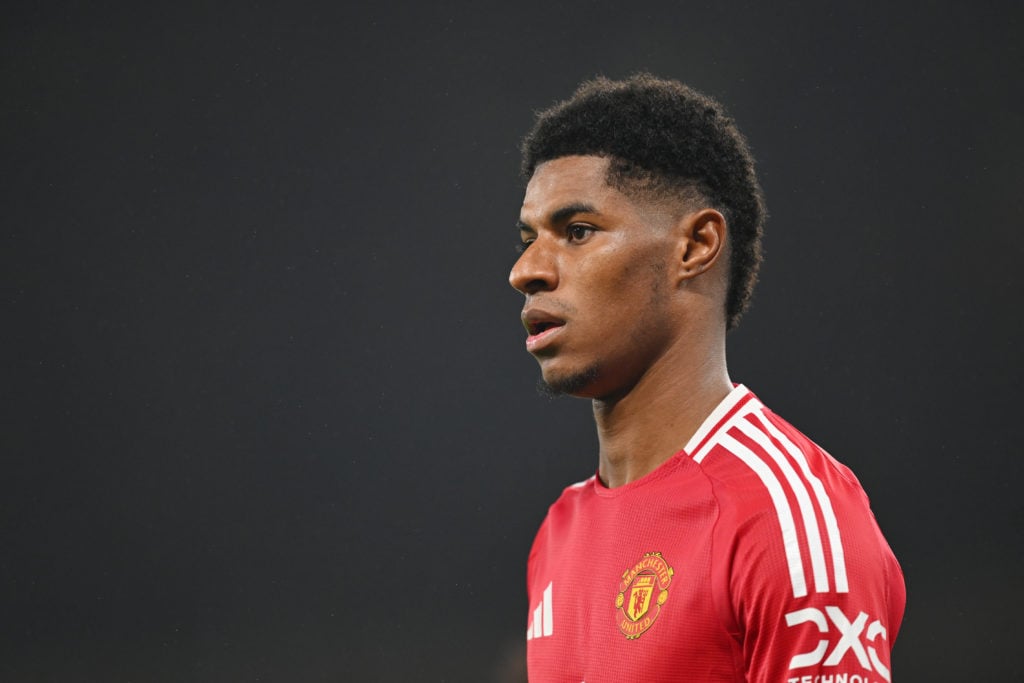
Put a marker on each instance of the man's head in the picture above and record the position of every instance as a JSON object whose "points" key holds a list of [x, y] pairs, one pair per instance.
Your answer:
{"points": [[665, 143]]}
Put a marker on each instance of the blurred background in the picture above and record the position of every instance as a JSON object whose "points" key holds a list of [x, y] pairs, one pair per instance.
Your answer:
{"points": [[267, 415]]}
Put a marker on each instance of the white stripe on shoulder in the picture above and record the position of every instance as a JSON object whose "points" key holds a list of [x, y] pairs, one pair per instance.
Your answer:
{"points": [[824, 502], [802, 497], [709, 435], [790, 541], [720, 411], [580, 484]]}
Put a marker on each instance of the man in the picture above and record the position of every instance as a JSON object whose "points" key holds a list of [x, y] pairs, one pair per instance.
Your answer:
{"points": [[715, 542]]}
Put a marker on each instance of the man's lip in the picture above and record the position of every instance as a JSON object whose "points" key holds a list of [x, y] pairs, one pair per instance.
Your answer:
{"points": [[541, 326], [537, 341], [537, 320]]}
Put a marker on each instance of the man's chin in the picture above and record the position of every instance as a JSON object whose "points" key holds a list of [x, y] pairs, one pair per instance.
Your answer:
{"points": [[573, 384]]}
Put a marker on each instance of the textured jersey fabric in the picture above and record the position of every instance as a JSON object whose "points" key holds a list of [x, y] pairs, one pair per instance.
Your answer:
{"points": [[750, 555]]}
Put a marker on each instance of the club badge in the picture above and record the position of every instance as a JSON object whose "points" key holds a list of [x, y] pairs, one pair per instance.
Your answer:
{"points": [[642, 592]]}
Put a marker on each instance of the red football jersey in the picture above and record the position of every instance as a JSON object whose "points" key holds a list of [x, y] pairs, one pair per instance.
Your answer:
{"points": [[750, 555]]}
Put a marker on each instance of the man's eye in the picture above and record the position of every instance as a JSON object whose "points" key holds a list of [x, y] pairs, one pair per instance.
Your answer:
{"points": [[521, 247], [578, 232]]}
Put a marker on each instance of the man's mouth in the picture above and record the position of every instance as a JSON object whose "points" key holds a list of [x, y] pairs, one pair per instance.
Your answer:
{"points": [[541, 326]]}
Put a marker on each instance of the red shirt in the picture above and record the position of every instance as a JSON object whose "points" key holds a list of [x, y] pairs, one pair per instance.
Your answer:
{"points": [[750, 555]]}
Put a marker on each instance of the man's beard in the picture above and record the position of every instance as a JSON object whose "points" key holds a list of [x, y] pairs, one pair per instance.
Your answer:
{"points": [[573, 384]]}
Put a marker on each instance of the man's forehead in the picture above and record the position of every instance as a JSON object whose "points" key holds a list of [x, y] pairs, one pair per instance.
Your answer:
{"points": [[570, 172], [565, 180]]}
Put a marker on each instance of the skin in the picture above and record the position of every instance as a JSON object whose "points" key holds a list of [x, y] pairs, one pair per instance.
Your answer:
{"points": [[634, 289]]}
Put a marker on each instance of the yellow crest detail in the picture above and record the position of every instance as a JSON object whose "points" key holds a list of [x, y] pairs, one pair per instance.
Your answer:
{"points": [[642, 592]]}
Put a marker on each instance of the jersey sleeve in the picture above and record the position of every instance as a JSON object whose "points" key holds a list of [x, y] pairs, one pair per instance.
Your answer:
{"points": [[814, 601], [534, 558]]}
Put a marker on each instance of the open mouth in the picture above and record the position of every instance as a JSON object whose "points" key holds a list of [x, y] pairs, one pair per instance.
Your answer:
{"points": [[540, 327], [542, 333]]}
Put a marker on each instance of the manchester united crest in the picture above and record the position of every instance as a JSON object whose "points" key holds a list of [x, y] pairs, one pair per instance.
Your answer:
{"points": [[642, 592]]}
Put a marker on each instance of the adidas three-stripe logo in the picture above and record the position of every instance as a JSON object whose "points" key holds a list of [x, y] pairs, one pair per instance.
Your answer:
{"points": [[542, 623]]}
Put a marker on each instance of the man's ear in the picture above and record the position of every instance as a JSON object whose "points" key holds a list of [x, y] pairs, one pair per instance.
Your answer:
{"points": [[702, 237]]}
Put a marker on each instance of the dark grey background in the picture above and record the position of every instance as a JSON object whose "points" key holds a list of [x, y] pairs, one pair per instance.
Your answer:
{"points": [[267, 412]]}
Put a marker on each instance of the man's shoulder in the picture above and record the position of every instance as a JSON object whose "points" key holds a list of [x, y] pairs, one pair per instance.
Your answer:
{"points": [[573, 494], [764, 470], [757, 445]]}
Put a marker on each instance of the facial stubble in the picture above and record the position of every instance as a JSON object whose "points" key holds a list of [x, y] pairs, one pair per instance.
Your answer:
{"points": [[570, 385]]}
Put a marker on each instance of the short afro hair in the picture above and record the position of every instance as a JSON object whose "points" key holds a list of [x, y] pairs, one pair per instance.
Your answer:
{"points": [[663, 137]]}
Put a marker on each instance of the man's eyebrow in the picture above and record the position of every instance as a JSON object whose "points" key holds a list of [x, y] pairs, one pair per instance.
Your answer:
{"points": [[562, 214], [566, 212]]}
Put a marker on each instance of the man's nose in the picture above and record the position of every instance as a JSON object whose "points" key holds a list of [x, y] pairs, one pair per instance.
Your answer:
{"points": [[535, 271]]}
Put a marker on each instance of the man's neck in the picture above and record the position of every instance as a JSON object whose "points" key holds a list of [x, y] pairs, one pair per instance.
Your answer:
{"points": [[642, 429]]}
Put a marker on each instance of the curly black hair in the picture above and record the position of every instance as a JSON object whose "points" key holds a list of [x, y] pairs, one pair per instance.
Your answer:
{"points": [[663, 137]]}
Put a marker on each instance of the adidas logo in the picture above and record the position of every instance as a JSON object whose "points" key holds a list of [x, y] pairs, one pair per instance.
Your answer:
{"points": [[542, 623]]}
